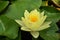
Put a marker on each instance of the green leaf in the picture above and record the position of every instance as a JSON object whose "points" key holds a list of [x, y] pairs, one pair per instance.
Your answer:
{"points": [[3, 5], [18, 38], [52, 15], [16, 10], [50, 33], [8, 27]]}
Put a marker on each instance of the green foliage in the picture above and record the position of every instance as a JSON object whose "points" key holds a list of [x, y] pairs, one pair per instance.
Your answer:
{"points": [[3, 5], [54, 16], [16, 10], [9, 28]]}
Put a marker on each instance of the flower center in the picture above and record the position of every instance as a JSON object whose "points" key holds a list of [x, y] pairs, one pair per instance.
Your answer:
{"points": [[33, 18]]}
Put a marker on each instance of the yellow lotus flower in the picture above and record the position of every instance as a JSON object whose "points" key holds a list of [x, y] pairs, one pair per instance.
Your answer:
{"points": [[33, 22]]}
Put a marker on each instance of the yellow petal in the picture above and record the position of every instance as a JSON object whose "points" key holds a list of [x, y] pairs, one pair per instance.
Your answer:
{"points": [[23, 25], [35, 34], [25, 29], [45, 25], [26, 14], [43, 19], [34, 26], [20, 22], [35, 12], [25, 21], [42, 14]]}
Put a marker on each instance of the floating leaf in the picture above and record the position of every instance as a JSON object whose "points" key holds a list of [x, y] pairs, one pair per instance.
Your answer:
{"points": [[16, 10], [54, 16], [3, 5], [8, 27]]}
